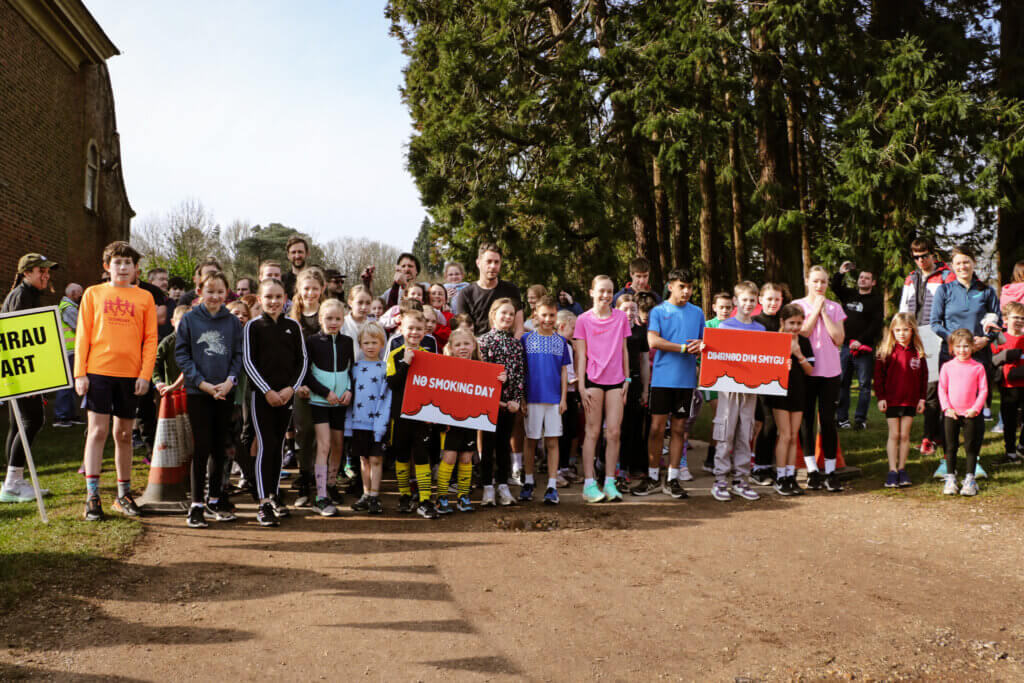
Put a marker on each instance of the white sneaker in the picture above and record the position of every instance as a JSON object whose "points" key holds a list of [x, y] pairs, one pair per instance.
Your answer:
{"points": [[24, 488], [505, 497], [684, 474], [720, 491], [516, 479], [744, 491], [970, 487], [561, 481], [488, 498], [950, 488]]}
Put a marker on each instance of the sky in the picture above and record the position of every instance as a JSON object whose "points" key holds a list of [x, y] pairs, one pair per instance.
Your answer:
{"points": [[264, 111]]}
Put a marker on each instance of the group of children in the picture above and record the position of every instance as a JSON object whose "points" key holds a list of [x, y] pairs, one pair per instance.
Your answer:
{"points": [[328, 373]]}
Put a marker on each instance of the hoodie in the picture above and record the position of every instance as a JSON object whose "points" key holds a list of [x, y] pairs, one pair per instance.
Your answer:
{"points": [[1011, 291], [208, 347]]}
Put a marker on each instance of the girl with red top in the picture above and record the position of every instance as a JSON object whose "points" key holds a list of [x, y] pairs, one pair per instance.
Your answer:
{"points": [[901, 384], [438, 297], [1007, 357], [963, 389]]}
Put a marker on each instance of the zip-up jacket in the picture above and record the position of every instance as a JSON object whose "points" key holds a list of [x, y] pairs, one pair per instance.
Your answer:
{"points": [[21, 298], [955, 306], [274, 353], [208, 347], [329, 360], [901, 378], [397, 371], [371, 399], [917, 295]]}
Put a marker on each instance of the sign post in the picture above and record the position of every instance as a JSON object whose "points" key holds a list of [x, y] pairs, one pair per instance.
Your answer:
{"points": [[32, 361]]}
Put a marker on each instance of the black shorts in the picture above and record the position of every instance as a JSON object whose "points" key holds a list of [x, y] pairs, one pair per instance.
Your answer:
{"points": [[459, 439], [603, 387], [409, 438], [668, 401], [332, 415], [112, 396], [900, 411], [364, 445]]}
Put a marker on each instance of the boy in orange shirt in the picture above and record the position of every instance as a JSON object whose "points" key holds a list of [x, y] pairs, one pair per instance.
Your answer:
{"points": [[115, 350]]}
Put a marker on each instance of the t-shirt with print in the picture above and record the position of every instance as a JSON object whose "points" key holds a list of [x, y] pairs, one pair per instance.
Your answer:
{"points": [[826, 353], [546, 355], [116, 334], [676, 324], [604, 338]]}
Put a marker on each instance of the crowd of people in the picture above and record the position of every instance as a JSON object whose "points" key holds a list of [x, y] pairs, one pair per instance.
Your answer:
{"points": [[292, 370]]}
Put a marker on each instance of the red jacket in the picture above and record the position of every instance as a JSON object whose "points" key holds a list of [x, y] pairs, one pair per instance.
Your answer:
{"points": [[1012, 342], [901, 379]]}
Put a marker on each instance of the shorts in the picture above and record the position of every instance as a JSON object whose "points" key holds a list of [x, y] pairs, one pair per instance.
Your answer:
{"points": [[364, 445], [332, 415], [543, 420], [112, 396], [893, 412], [603, 387], [459, 440], [667, 400]]}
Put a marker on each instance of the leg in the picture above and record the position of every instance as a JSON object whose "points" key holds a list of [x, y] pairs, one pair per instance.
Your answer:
{"points": [[795, 418], [421, 459], [1009, 408], [974, 436], [551, 450], [95, 439], [828, 398], [376, 471], [613, 407], [677, 438], [724, 433], [31, 408], [952, 441], [503, 447], [123, 447], [305, 440], [904, 441], [782, 425], [200, 414], [892, 445], [218, 456], [655, 442], [842, 410], [865, 364], [807, 428], [592, 429], [742, 453], [933, 422]]}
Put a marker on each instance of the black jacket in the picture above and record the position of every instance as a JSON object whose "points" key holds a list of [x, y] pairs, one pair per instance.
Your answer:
{"points": [[22, 298], [274, 353], [863, 312], [330, 355]]}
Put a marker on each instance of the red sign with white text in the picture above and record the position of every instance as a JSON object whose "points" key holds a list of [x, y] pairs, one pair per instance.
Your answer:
{"points": [[452, 391], [745, 362]]}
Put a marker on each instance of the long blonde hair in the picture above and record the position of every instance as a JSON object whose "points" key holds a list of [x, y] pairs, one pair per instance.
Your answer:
{"points": [[458, 332], [298, 305], [889, 341]]}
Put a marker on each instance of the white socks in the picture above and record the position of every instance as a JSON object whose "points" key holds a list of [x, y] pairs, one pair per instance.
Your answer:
{"points": [[517, 461], [529, 478], [830, 466], [14, 475], [812, 464], [654, 473], [552, 483], [673, 473]]}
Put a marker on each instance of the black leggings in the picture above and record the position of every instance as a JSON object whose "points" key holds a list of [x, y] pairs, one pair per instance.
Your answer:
{"points": [[1010, 403], [764, 446], [211, 422], [32, 417], [823, 393], [269, 424], [496, 448], [973, 429], [570, 427]]}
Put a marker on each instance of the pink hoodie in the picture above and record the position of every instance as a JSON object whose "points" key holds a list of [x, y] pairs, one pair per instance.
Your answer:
{"points": [[1011, 291]]}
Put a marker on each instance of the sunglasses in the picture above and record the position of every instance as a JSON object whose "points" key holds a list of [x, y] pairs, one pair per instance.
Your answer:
{"points": [[918, 257]]}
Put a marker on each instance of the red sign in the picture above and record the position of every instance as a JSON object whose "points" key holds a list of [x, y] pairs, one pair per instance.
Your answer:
{"points": [[745, 362], [452, 391]]}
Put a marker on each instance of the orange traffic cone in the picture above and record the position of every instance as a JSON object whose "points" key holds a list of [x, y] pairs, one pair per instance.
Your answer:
{"points": [[165, 492]]}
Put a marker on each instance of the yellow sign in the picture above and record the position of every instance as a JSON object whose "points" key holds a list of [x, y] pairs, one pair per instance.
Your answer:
{"points": [[32, 359]]}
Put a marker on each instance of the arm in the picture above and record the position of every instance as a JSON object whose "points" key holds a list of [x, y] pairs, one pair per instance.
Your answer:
{"points": [[247, 360], [982, 384], [873, 330], [645, 377], [879, 379], [944, 390], [300, 359], [907, 300], [838, 285], [309, 380], [519, 329], [380, 423], [235, 367], [183, 353], [158, 369], [564, 377], [83, 341], [938, 319], [810, 320], [70, 316], [150, 340], [834, 328], [579, 347]]}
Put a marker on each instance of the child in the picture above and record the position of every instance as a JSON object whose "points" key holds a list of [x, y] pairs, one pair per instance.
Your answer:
{"points": [[309, 290], [462, 321], [602, 363], [115, 351], [674, 331], [963, 389], [722, 305], [438, 297], [359, 301], [734, 416], [428, 343], [1007, 356], [240, 457], [175, 287], [367, 422], [633, 451], [454, 276], [458, 443], [771, 300], [534, 293], [167, 377], [275, 363], [392, 318], [547, 382], [901, 385], [567, 445], [377, 307], [409, 437], [788, 410], [329, 382], [500, 346], [209, 352]]}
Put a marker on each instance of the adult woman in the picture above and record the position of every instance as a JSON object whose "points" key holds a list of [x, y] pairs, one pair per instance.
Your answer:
{"points": [[32, 280], [968, 303], [823, 326]]}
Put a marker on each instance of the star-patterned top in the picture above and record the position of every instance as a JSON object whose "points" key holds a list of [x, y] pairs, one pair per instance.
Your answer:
{"points": [[371, 399]]}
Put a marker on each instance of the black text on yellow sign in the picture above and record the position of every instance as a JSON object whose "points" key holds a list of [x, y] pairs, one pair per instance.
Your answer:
{"points": [[32, 359]]}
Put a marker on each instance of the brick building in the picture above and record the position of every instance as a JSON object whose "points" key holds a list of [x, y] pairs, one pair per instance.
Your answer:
{"points": [[61, 186]]}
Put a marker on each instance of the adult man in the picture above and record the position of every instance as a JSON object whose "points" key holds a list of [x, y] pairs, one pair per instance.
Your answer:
{"points": [[335, 284], [298, 251], [863, 327], [407, 268], [476, 299], [640, 280], [64, 413], [158, 277], [244, 286], [918, 291]]}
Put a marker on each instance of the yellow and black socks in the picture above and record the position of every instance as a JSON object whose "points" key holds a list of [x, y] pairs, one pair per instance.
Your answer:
{"points": [[402, 475], [465, 478], [444, 477], [423, 480]]}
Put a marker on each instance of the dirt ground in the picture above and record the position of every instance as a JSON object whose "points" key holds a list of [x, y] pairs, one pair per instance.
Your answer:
{"points": [[849, 585]]}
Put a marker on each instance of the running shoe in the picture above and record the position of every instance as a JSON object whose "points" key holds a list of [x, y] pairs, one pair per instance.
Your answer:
{"points": [[443, 506], [592, 493], [362, 505], [280, 509], [675, 489], [516, 479], [426, 510], [762, 477], [24, 489], [927, 447], [265, 515], [970, 487], [860, 425], [62, 424], [221, 511], [684, 474], [551, 496], [720, 491], [304, 492], [195, 517], [892, 480], [743, 490], [646, 487], [375, 506], [903, 479], [15, 495], [815, 480], [464, 504], [795, 487], [979, 473], [950, 489], [832, 483], [611, 492], [93, 510], [487, 501], [940, 471], [561, 480], [1009, 459], [126, 506], [781, 486], [406, 505], [505, 497], [844, 424], [324, 507], [526, 493], [335, 495]]}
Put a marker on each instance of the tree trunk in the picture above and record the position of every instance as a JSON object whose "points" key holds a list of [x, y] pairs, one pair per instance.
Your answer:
{"points": [[739, 246], [1010, 226], [681, 220], [661, 217], [708, 231]]}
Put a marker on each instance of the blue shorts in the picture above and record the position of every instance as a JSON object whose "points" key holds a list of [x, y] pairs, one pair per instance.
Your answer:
{"points": [[112, 396]]}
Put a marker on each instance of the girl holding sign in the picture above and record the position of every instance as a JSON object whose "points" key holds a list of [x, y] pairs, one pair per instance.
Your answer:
{"points": [[788, 410], [602, 363]]}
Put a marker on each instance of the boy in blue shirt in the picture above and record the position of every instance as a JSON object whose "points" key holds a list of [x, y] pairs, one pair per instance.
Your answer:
{"points": [[674, 331]]}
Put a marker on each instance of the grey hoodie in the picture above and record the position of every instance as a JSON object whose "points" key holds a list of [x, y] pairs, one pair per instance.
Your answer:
{"points": [[209, 347]]}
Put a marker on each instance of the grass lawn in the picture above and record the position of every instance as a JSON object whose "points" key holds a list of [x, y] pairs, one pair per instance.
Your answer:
{"points": [[33, 553]]}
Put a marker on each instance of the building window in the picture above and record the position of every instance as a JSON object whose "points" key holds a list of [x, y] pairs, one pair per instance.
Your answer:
{"points": [[92, 175]]}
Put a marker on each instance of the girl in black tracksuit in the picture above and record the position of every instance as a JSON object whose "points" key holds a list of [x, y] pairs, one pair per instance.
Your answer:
{"points": [[275, 362]]}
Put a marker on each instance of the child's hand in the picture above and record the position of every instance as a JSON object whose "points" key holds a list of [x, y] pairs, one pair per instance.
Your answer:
{"points": [[81, 385], [177, 384], [208, 388], [333, 399], [971, 413], [920, 406], [502, 376], [141, 386], [161, 388], [694, 346], [562, 407], [346, 398], [980, 343], [882, 405], [222, 389], [273, 398], [286, 394], [513, 406], [408, 356], [303, 392], [950, 413]]}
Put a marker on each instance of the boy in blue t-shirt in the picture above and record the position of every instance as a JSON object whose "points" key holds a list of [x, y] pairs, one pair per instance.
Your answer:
{"points": [[734, 416], [547, 380], [674, 331]]}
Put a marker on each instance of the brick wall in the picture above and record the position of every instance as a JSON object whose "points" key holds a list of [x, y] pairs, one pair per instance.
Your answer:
{"points": [[49, 114]]}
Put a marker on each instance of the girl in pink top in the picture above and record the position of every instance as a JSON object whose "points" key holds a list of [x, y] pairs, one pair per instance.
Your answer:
{"points": [[963, 390], [602, 368], [823, 327], [1013, 291]]}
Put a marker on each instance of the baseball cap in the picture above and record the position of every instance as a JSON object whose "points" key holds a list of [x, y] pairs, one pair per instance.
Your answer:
{"points": [[30, 261]]}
